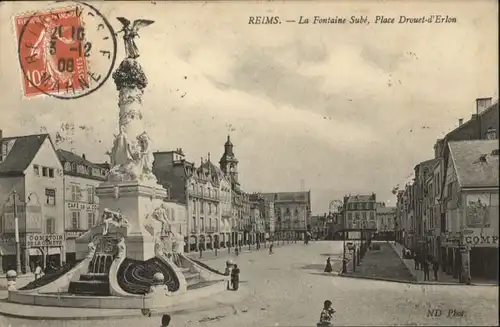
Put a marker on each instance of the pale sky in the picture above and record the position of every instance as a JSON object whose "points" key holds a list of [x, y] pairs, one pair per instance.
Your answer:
{"points": [[341, 107]]}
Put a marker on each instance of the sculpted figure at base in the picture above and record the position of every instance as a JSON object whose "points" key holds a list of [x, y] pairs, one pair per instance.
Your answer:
{"points": [[114, 218], [161, 214], [122, 249]]}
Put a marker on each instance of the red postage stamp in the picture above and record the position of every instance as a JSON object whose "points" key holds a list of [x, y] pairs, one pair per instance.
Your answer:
{"points": [[52, 52]]}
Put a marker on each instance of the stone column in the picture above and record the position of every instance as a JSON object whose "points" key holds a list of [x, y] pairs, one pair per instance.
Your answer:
{"points": [[1, 264]]}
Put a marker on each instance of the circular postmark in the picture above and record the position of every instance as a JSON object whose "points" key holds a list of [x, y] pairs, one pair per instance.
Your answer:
{"points": [[66, 52]]}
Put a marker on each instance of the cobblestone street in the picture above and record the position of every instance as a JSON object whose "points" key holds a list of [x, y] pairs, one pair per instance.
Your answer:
{"points": [[288, 288]]}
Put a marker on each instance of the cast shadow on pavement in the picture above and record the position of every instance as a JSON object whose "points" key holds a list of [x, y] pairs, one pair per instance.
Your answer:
{"points": [[333, 273], [313, 267]]}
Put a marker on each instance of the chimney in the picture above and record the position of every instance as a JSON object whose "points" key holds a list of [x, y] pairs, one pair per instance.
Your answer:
{"points": [[460, 122], [482, 104], [83, 156], [491, 134]]}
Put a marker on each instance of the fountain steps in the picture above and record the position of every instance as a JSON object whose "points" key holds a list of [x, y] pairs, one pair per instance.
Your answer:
{"points": [[90, 284], [89, 287]]}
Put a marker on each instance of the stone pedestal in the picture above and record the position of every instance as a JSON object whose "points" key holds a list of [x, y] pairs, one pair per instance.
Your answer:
{"points": [[134, 200]]}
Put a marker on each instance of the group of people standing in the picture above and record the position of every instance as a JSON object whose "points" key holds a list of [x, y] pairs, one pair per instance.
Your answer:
{"points": [[426, 263]]}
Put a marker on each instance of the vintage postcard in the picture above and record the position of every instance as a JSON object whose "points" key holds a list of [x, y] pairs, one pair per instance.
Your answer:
{"points": [[249, 163]]}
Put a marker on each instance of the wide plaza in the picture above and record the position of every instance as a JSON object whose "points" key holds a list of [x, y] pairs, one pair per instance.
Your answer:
{"points": [[289, 287]]}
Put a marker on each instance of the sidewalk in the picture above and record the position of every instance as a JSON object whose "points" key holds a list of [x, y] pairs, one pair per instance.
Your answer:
{"points": [[383, 264], [443, 278]]}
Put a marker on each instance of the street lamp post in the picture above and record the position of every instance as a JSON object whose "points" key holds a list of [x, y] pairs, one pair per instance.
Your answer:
{"points": [[344, 263], [18, 245]]}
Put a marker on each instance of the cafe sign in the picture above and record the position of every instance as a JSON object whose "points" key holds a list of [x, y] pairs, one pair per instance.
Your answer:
{"points": [[41, 240], [82, 206]]}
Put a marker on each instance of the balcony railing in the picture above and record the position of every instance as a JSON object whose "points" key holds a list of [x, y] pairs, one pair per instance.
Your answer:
{"points": [[203, 195]]}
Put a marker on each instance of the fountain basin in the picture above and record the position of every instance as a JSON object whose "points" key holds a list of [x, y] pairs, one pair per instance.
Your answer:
{"points": [[197, 291]]}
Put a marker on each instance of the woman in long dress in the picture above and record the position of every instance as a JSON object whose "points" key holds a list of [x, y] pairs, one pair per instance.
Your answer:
{"points": [[235, 277], [328, 267]]}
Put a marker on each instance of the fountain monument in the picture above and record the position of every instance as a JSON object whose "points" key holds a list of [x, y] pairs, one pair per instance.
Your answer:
{"points": [[134, 258]]}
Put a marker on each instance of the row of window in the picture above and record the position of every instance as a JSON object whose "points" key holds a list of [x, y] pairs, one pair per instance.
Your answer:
{"points": [[76, 193], [357, 215], [211, 207], [43, 171], [210, 224], [76, 221], [361, 206], [278, 212], [84, 170]]}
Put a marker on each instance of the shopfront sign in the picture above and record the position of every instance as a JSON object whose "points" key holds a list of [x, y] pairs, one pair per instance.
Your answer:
{"points": [[40, 240], [73, 234], [486, 238], [9, 239], [73, 205]]}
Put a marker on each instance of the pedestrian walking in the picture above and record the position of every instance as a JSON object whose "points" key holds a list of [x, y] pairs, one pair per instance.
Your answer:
{"points": [[201, 252], [271, 248], [326, 317], [425, 266], [415, 259], [165, 321], [435, 267], [235, 277], [237, 251], [328, 267]]}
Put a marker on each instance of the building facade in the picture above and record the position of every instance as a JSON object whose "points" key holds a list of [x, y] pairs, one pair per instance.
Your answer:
{"points": [[319, 226], [386, 221], [470, 198], [215, 204], [30, 168], [198, 189], [359, 211], [421, 213], [81, 205], [429, 209], [239, 199], [266, 214], [292, 214]]}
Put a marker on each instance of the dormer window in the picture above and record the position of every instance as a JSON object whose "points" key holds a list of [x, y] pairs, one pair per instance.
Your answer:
{"points": [[67, 166], [81, 169]]}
